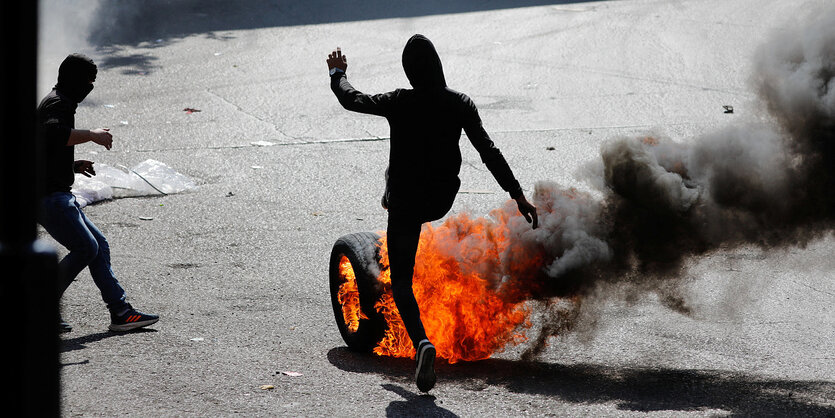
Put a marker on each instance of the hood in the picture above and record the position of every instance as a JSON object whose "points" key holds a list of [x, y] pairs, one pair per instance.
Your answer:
{"points": [[422, 64], [74, 76]]}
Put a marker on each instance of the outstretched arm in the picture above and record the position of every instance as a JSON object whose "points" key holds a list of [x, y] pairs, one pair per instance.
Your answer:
{"points": [[348, 96], [496, 163], [100, 136]]}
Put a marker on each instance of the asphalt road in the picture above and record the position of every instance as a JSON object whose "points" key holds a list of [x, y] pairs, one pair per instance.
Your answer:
{"points": [[237, 269]]}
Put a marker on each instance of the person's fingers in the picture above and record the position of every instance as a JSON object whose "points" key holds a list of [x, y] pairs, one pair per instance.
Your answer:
{"points": [[529, 212]]}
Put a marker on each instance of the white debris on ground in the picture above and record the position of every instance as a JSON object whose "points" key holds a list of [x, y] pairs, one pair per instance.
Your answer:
{"points": [[148, 178]]}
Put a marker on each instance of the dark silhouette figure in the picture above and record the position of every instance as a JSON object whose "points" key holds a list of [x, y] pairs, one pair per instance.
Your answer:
{"points": [[424, 161], [59, 213]]}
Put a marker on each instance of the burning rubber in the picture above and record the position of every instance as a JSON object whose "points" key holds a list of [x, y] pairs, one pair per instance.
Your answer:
{"points": [[490, 317], [354, 268]]}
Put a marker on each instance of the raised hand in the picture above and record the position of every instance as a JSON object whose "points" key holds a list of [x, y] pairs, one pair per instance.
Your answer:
{"points": [[337, 60]]}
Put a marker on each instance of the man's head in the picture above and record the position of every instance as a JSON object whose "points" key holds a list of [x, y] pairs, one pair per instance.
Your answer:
{"points": [[76, 76], [421, 63]]}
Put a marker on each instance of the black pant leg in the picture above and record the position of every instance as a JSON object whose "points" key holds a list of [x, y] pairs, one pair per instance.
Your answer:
{"points": [[403, 236]]}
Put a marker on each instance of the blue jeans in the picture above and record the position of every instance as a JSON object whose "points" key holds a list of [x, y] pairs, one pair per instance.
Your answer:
{"points": [[63, 219]]}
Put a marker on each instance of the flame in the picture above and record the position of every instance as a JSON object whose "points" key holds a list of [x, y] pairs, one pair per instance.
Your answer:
{"points": [[478, 281], [651, 141], [349, 296], [468, 312]]}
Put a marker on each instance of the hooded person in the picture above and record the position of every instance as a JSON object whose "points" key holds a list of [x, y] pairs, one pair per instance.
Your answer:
{"points": [[422, 180], [59, 213], [74, 77]]}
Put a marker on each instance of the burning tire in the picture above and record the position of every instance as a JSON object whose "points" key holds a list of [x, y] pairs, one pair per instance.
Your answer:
{"points": [[354, 268]]}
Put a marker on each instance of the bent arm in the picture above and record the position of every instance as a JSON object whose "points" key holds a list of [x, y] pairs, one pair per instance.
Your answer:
{"points": [[79, 136], [354, 100], [100, 136]]}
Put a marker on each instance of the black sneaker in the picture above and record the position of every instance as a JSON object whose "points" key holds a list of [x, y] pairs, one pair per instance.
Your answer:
{"points": [[63, 327], [131, 319], [425, 373]]}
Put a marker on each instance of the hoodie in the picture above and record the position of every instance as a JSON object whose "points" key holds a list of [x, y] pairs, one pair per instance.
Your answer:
{"points": [[56, 119], [422, 64], [425, 124], [74, 77]]}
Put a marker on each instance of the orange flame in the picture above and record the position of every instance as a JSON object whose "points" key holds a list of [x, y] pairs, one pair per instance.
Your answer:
{"points": [[467, 312], [474, 277], [651, 141], [349, 296]]}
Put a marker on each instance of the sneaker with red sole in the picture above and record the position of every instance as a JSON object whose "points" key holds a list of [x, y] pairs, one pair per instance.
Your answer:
{"points": [[131, 319]]}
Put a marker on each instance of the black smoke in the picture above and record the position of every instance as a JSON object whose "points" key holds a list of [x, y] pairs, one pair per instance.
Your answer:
{"points": [[768, 183]]}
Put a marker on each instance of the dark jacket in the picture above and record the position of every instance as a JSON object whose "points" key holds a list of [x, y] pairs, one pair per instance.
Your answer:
{"points": [[426, 124], [56, 119]]}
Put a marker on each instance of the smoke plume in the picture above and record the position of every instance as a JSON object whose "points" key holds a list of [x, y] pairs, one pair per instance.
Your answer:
{"points": [[766, 183], [63, 28]]}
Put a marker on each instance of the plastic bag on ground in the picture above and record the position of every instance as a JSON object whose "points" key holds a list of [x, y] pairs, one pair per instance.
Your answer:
{"points": [[148, 178]]}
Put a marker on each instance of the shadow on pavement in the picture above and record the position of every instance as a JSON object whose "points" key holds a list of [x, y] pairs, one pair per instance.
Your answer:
{"points": [[79, 343], [631, 388], [414, 404], [133, 64], [151, 24], [127, 22]]}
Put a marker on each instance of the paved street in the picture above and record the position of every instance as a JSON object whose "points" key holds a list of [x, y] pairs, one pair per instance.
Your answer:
{"points": [[238, 268]]}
